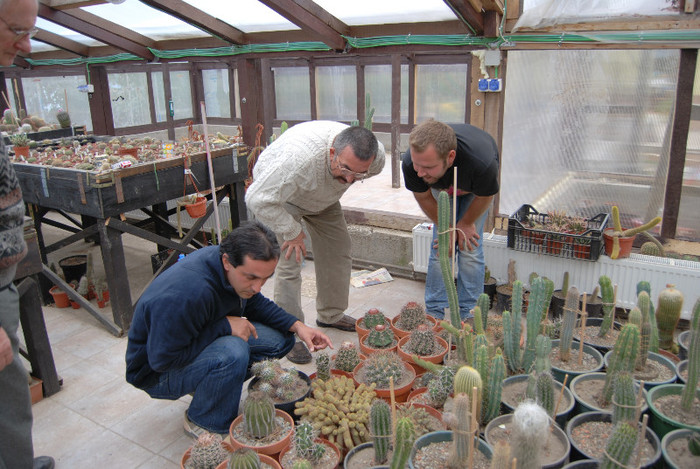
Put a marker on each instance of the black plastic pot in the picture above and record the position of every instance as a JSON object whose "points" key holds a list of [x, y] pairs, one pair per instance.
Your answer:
{"points": [[594, 306], [586, 406], [668, 439], [597, 322], [439, 437], [357, 449], [683, 342], [73, 267], [580, 419], [287, 406], [562, 413], [556, 306], [583, 464], [490, 290]]}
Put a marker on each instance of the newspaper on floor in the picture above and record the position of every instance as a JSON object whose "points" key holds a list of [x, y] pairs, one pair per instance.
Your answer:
{"points": [[365, 278]]}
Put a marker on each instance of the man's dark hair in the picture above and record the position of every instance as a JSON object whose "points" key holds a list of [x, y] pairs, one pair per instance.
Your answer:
{"points": [[362, 141], [252, 239]]}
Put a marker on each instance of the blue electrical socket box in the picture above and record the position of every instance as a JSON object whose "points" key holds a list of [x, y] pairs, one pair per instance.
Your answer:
{"points": [[483, 84], [494, 84]]}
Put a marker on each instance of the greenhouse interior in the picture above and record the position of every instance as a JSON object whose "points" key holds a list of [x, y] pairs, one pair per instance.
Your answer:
{"points": [[146, 134]]}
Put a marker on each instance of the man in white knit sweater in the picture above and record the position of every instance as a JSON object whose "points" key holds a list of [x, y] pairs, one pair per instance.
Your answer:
{"points": [[301, 176]]}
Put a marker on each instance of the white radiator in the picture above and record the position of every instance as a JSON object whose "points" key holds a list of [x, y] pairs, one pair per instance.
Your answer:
{"points": [[626, 273]]}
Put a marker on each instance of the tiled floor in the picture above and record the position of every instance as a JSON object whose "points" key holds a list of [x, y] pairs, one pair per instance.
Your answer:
{"points": [[97, 419]]}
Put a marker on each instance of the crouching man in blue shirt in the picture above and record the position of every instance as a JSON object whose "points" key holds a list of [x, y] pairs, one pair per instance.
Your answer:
{"points": [[201, 324]]}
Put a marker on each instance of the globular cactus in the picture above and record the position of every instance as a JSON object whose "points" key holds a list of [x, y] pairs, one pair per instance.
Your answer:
{"points": [[422, 341], [207, 452], [624, 399], [650, 248], [244, 458], [323, 366], [535, 309], [380, 337], [411, 316], [462, 432], [608, 295], [530, 429], [441, 386], [668, 313], [347, 357], [305, 444], [282, 383], [258, 415], [465, 380], [405, 437], [382, 366], [374, 317], [444, 257], [380, 425], [484, 304], [620, 446], [689, 389], [568, 324], [63, 119], [494, 388], [622, 359], [646, 306]]}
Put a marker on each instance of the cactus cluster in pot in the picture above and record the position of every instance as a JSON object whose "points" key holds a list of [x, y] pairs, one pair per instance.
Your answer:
{"points": [[618, 232], [278, 382], [374, 317], [422, 341], [380, 337], [411, 316], [207, 452], [305, 444], [347, 357], [380, 367]]}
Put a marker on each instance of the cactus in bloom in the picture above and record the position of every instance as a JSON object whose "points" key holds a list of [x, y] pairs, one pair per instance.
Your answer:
{"points": [[535, 309], [625, 399], [647, 307], [380, 424], [607, 293], [305, 444], [323, 366], [411, 316], [620, 446], [374, 317], [529, 430], [422, 342], [568, 323], [405, 437], [689, 389], [381, 366], [258, 415], [668, 313], [244, 458], [347, 357], [380, 337], [207, 452], [444, 257], [462, 432], [622, 359], [497, 374]]}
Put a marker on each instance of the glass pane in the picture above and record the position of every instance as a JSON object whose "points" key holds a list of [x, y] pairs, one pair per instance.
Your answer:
{"points": [[159, 96], [595, 136], [45, 96], [216, 93], [11, 92], [336, 89], [238, 93], [404, 94], [688, 220], [378, 85], [129, 95], [292, 94], [441, 91], [181, 92]]}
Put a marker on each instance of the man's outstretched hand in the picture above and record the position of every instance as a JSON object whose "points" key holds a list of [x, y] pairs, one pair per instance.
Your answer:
{"points": [[313, 338]]}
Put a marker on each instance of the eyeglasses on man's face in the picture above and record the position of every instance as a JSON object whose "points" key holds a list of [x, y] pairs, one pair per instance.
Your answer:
{"points": [[20, 33], [349, 172]]}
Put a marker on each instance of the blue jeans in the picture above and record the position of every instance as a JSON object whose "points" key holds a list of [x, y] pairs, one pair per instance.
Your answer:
{"points": [[470, 279], [216, 376]]}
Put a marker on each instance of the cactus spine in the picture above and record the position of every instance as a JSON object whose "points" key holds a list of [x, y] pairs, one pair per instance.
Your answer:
{"points": [[411, 316], [494, 388], [689, 389], [462, 431], [535, 309], [380, 423], [347, 357], [623, 358], [645, 334], [608, 295], [667, 315], [444, 256], [484, 303], [207, 452], [405, 436], [305, 444], [381, 366], [568, 324], [530, 429], [373, 317], [258, 415], [620, 446], [422, 342], [380, 337], [244, 458], [646, 306], [548, 292], [625, 399], [508, 347]]}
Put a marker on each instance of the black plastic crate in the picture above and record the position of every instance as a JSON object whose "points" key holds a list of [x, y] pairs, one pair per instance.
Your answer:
{"points": [[586, 246]]}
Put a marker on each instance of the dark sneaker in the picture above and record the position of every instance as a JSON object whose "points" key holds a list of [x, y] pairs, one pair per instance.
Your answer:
{"points": [[346, 323], [299, 354], [44, 462]]}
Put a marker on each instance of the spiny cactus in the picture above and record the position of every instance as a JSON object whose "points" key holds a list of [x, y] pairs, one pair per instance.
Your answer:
{"points": [[511, 349], [624, 399], [422, 341], [323, 366], [645, 335], [374, 317], [380, 337], [544, 392], [347, 357], [380, 424], [467, 378], [276, 381], [258, 415], [619, 232], [543, 347], [645, 304], [207, 452], [535, 309], [568, 323], [689, 389], [608, 295], [622, 359], [411, 316], [650, 248], [501, 455], [460, 421], [484, 304], [305, 444], [63, 119], [444, 257], [244, 458], [382, 366], [494, 388], [405, 437], [668, 313], [548, 292], [479, 322], [530, 428], [620, 446], [441, 386]]}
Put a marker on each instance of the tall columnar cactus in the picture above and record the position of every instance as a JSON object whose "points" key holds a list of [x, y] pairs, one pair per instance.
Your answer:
{"points": [[323, 366], [258, 415], [668, 313], [380, 337], [479, 326], [608, 295], [444, 256], [381, 366], [484, 304], [541, 365], [380, 424], [535, 309], [625, 399], [622, 359], [529, 431], [347, 357], [422, 341], [244, 458], [511, 350], [305, 444], [482, 364], [620, 446], [494, 388], [462, 432], [374, 317], [544, 392], [411, 316], [645, 334], [405, 437], [689, 389], [647, 307], [207, 452], [548, 292], [568, 324]]}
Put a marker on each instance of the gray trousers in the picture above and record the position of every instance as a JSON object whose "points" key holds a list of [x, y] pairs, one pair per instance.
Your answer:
{"points": [[330, 243], [16, 451]]}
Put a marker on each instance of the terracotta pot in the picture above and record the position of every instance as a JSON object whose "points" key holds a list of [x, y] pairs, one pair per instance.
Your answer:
{"points": [[327, 443], [368, 350], [625, 244], [128, 151], [334, 372], [671, 356], [197, 209], [74, 304], [436, 358], [21, 151], [271, 449], [60, 298], [431, 410], [186, 456], [360, 328], [400, 392], [399, 333], [265, 460]]}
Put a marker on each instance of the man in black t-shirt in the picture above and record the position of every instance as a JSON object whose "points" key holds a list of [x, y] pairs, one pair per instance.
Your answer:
{"points": [[435, 149]]}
